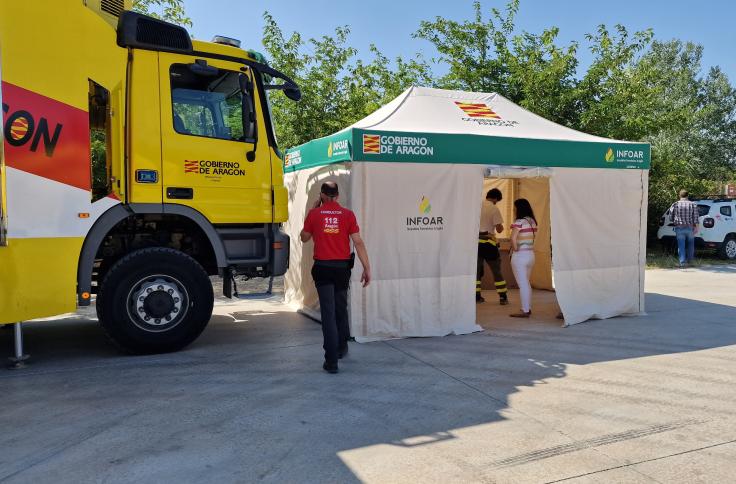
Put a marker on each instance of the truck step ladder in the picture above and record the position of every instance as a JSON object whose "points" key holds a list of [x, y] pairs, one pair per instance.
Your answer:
{"points": [[256, 295], [19, 360]]}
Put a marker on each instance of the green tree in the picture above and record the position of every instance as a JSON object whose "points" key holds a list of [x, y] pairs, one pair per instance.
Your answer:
{"points": [[485, 54], [635, 88], [694, 141], [169, 10], [474, 50], [337, 88]]}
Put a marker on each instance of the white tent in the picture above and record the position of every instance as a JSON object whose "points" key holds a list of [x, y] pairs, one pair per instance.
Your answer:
{"points": [[414, 171]]}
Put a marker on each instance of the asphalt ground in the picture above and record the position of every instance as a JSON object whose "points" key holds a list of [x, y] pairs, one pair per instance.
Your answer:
{"points": [[632, 399]]}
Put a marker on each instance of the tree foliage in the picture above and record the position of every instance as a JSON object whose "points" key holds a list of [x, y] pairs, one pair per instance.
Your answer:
{"points": [[634, 88], [169, 10], [338, 89]]}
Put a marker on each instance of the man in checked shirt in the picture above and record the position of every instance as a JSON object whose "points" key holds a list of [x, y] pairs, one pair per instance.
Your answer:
{"points": [[685, 217]]}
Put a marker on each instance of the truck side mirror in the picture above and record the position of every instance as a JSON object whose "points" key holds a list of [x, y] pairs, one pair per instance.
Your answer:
{"points": [[250, 130], [293, 93]]}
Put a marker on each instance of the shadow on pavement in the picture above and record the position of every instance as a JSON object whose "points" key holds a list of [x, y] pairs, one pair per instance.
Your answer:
{"points": [[249, 401]]}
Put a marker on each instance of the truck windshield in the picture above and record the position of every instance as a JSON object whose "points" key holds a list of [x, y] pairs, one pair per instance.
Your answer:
{"points": [[210, 106]]}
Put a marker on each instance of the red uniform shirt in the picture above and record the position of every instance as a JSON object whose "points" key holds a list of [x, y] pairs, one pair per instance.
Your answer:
{"points": [[331, 227]]}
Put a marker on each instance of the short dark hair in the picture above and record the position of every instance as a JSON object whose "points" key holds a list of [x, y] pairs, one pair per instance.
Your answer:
{"points": [[684, 193], [494, 193], [524, 209], [330, 189]]}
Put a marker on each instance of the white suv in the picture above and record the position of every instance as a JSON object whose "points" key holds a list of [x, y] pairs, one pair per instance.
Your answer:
{"points": [[717, 229]]}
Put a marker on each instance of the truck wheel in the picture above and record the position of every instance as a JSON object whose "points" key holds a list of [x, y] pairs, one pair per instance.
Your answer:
{"points": [[728, 248], [155, 300]]}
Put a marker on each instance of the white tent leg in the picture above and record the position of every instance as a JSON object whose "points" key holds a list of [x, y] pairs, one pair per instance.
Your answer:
{"points": [[18, 361]]}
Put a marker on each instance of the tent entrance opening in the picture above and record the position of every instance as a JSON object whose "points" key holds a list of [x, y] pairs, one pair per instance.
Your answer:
{"points": [[544, 303]]}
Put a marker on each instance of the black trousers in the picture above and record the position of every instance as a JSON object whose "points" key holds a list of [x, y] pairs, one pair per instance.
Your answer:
{"points": [[490, 254], [332, 285]]}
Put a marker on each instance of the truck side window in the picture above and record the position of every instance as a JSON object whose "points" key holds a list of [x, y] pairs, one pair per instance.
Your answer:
{"points": [[726, 210], [99, 137], [207, 105]]}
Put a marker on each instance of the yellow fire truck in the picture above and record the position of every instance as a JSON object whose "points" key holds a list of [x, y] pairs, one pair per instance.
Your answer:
{"points": [[136, 162]]}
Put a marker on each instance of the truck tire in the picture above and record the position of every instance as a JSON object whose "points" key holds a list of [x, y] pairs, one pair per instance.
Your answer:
{"points": [[155, 300], [728, 248]]}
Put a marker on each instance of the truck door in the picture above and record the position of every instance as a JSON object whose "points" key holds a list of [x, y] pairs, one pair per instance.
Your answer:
{"points": [[209, 162]]}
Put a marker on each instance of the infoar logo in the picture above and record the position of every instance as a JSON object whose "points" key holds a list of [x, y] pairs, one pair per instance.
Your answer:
{"points": [[610, 156], [482, 114], [626, 155], [424, 206], [425, 221], [338, 148]]}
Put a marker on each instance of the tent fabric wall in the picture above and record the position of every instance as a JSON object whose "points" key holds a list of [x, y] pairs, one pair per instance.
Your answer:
{"points": [[423, 276], [424, 279], [598, 242]]}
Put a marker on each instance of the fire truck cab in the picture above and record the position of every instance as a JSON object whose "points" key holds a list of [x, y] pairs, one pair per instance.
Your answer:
{"points": [[135, 163]]}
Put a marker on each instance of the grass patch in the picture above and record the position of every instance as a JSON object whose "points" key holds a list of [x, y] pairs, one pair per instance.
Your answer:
{"points": [[659, 258]]}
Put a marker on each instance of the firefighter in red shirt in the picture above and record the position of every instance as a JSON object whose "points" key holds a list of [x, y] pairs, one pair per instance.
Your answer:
{"points": [[332, 227]]}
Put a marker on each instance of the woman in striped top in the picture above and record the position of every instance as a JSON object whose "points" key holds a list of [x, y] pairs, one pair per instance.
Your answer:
{"points": [[523, 235]]}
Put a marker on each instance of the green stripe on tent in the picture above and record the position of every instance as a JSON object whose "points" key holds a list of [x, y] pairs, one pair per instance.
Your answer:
{"points": [[323, 151], [408, 147]]}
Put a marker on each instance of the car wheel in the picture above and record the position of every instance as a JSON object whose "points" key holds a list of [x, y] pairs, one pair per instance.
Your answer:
{"points": [[728, 248], [155, 300]]}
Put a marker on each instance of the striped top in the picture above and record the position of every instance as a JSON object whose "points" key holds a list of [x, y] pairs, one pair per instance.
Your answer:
{"points": [[527, 228]]}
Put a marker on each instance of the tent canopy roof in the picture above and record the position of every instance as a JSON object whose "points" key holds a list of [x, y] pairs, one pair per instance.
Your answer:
{"points": [[425, 125]]}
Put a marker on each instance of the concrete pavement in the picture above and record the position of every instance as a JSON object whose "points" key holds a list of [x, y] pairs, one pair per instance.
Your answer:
{"points": [[642, 399]]}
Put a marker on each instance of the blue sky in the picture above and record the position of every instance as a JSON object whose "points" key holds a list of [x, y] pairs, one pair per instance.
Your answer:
{"points": [[389, 24]]}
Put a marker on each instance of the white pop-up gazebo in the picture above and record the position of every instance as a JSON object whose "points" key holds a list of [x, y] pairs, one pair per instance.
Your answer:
{"points": [[414, 171]]}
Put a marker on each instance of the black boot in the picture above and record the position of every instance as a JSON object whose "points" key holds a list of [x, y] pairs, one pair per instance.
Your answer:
{"points": [[329, 367]]}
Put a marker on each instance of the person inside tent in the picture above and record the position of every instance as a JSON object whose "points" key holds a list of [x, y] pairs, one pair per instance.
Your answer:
{"points": [[523, 235], [491, 222]]}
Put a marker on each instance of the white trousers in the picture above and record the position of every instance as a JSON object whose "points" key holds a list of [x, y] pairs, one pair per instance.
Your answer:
{"points": [[521, 264]]}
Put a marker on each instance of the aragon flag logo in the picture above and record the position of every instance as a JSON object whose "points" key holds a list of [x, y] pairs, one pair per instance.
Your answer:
{"points": [[371, 143], [609, 155], [477, 110]]}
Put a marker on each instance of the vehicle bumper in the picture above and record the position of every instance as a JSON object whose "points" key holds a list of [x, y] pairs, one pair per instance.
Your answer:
{"points": [[260, 251]]}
